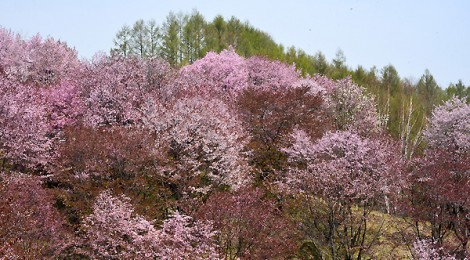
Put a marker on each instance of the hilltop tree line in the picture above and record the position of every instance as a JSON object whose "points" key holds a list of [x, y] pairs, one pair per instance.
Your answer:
{"points": [[226, 157], [184, 38]]}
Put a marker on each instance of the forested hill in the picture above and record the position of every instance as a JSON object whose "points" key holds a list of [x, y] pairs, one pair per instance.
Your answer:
{"points": [[184, 38], [127, 156]]}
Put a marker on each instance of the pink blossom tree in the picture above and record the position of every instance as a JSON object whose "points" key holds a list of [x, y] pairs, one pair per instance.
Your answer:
{"points": [[340, 171], [249, 225], [426, 250], [181, 237], [342, 166], [270, 75], [228, 74], [352, 109], [116, 88], [38, 97], [36, 61], [439, 179], [449, 127], [114, 231], [50, 61], [224, 73], [30, 225], [203, 139], [64, 106], [24, 138], [11, 48]]}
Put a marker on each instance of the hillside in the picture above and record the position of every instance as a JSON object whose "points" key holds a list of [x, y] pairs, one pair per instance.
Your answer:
{"points": [[132, 156]]}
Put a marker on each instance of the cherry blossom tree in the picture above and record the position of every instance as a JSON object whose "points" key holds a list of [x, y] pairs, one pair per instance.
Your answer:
{"points": [[114, 231], [352, 109], [224, 73], [249, 225], [439, 179], [30, 226], [50, 61], [180, 237], [116, 88], [36, 61], [270, 115], [228, 74], [64, 106], [425, 250], [33, 120], [11, 47], [343, 166], [340, 171], [203, 139], [265, 74], [39, 95], [449, 127], [24, 133]]}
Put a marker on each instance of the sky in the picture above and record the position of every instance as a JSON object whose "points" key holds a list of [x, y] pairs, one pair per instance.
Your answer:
{"points": [[412, 35]]}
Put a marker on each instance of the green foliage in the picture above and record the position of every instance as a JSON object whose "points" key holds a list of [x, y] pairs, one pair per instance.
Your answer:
{"points": [[431, 94], [459, 90]]}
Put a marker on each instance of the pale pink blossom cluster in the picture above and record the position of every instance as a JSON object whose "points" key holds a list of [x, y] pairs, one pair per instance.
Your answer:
{"points": [[226, 71], [24, 124], [449, 126], [426, 250], [115, 89], [204, 137], [353, 109], [37, 96], [342, 166], [228, 74], [36, 61], [114, 231]]}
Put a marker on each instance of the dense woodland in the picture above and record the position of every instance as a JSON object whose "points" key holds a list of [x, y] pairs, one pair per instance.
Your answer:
{"points": [[208, 140]]}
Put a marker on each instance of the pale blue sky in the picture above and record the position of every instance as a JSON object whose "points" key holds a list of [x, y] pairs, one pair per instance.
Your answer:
{"points": [[411, 35]]}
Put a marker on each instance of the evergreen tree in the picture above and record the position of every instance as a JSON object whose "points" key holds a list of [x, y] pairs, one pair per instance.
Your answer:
{"points": [[320, 63], [458, 90], [429, 91], [122, 42], [193, 37], [171, 39]]}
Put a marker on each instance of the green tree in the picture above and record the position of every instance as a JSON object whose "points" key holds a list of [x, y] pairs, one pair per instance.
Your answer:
{"points": [[139, 37], [429, 91], [391, 97], [154, 39], [142, 40], [234, 32], [458, 90], [359, 76], [215, 37], [390, 79], [193, 37], [339, 69], [305, 62], [122, 42], [320, 64], [171, 39]]}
